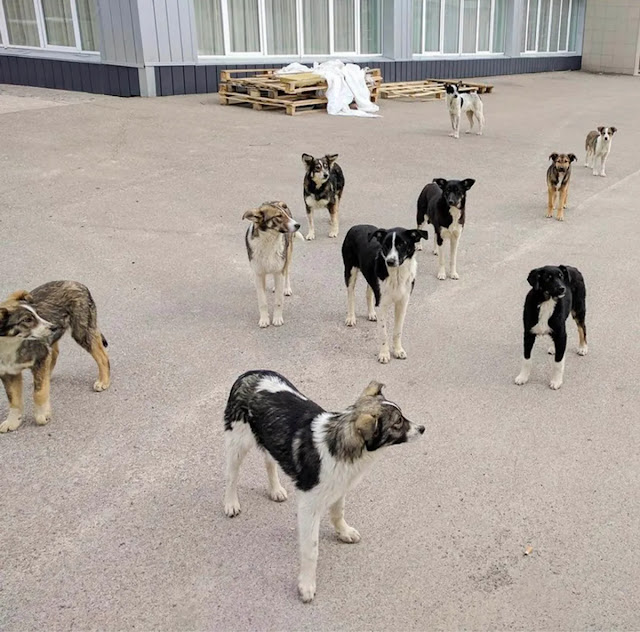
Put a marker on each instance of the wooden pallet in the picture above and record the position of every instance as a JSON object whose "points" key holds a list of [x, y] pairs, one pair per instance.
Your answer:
{"points": [[427, 89], [295, 93]]}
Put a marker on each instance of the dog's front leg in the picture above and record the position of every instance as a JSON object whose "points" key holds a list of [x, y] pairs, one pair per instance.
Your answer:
{"points": [[384, 356], [400, 309], [309, 513], [603, 160], [454, 256], [562, 203], [560, 344], [550, 200], [312, 233], [455, 124], [13, 387], [344, 532], [525, 370], [41, 384], [261, 282], [279, 300], [442, 274], [594, 162]]}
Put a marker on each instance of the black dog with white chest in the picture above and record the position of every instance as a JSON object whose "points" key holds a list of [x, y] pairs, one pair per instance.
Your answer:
{"points": [[442, 203], [323, 186], [557, 291], [387, 261]]}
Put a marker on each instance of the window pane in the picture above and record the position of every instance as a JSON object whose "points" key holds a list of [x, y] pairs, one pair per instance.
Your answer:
{"points": [[88, 22], [532, 25], [555, 25], [432, 26], [417, 26], [484, 26], [451, 25], [244, 26], [543, 30], [470, 21], [209, 27], [370, 21], [282, 30], [573, 26], [315, 15], [564, 23], [21, 22], [499, 25], [344, 16], [58, 22]]}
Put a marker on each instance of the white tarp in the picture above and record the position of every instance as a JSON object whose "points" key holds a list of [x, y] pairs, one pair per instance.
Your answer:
{"points": [[345, 83]]}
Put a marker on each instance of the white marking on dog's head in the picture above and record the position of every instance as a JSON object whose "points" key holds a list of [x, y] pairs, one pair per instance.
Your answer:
{"points": [[393, 258]]}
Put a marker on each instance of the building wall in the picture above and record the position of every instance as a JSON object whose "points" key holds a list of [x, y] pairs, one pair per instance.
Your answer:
{"points": [[612, 36]]}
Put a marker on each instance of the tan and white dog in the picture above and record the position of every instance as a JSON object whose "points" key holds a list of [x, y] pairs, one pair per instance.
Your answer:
{"points": [[598, 145], [269, 242]]}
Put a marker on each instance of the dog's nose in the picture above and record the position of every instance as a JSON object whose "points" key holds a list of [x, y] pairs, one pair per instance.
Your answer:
{"points": [[297, 226], [392, 263]]}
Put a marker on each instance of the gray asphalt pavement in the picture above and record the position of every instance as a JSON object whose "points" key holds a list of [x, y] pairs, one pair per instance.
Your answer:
{"points": [[111, 516]]}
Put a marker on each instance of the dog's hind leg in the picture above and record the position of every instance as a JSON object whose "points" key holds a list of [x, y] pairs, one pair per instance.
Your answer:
{"points": [[99, 354], [470, 118], [309, 514], [13, 387], [279, 300], [352, 277], [55, 352], [579, 317], [371, 304], [400, 309], [276, 491], [334, 219], [421, 226], [239, 440], [480, 117], [344, 532], [41, 383]]}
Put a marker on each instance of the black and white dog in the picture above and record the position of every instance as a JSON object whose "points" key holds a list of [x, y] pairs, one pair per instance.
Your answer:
{"points": [[557, 291], [323, 186], [324, 453], [469, 103], [387, 261], [598, 145], [442, 204]]}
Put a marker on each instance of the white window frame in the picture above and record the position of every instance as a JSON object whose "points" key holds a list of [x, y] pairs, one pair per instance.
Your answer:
{"points": [[459, 52], [536, 50], [42, 32], [263, 52]]}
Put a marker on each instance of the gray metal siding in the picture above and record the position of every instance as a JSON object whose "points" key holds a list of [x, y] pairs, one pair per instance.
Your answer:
{"points": [[120, 38]]}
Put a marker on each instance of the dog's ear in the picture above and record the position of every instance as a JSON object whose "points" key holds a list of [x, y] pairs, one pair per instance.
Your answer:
{"points": [[366, 426], [534, 278], [572, 157], [467, 183], [307, 160], [441, 182], [601, 129], [253, 214], [613, 130], [566, 273], [331, 158], [373, 389], [21, 295], [416, 234], [379, 235], [553, 156]]}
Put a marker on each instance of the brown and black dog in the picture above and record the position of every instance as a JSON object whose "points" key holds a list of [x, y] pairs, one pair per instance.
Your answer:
{"points": [[558, 177], [31, 324]]}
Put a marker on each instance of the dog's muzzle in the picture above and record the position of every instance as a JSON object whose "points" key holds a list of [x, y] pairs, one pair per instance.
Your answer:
{"points": [[392, 262]]}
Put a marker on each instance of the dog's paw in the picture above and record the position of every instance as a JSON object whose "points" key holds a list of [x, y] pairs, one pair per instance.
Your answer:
{"points": [[99, 386], [419, 246], [232, 508], [12, 422], [333, 234], [468, 132], [452, 134], [384, 357], [349, 535], [42, 415], [455, 276], [549, 214], [310, 236], [350, 321], [603, 175], [400, 353], [278, 495], [372, 317], [521, 379], [288, 292], [442, 275], [277, 321], [264, 321], [435, 252], [560, 219], [478, 133], [555, 383], [582, 351], [551, 350], [307, 590]]}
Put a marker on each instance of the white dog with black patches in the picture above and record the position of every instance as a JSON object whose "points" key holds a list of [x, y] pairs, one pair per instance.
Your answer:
{"points": [[468, 103], [324, 453], [598, 145]]}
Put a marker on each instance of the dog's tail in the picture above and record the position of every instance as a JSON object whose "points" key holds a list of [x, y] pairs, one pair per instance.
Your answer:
{"points": [[105, 344]]}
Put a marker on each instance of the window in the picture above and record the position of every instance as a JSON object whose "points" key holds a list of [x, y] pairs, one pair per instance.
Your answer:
{"points": [[454, 27], [551, 26], [62, 24], [288, 27]]}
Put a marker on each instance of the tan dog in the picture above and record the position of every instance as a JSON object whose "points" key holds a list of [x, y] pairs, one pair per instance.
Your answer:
{"points": [[558, 177], [31, 323], [269, 242]]}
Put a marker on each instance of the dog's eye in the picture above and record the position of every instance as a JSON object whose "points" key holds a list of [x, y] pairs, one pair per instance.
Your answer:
{"points": [[399, 423], [28, 320]]}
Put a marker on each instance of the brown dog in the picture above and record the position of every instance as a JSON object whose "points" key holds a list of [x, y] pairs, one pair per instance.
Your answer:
{"points": [[31, 324], [558, 177]]}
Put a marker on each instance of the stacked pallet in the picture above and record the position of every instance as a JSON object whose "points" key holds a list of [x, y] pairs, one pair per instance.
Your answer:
{"points": [[295, 93], [427, 89]]}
